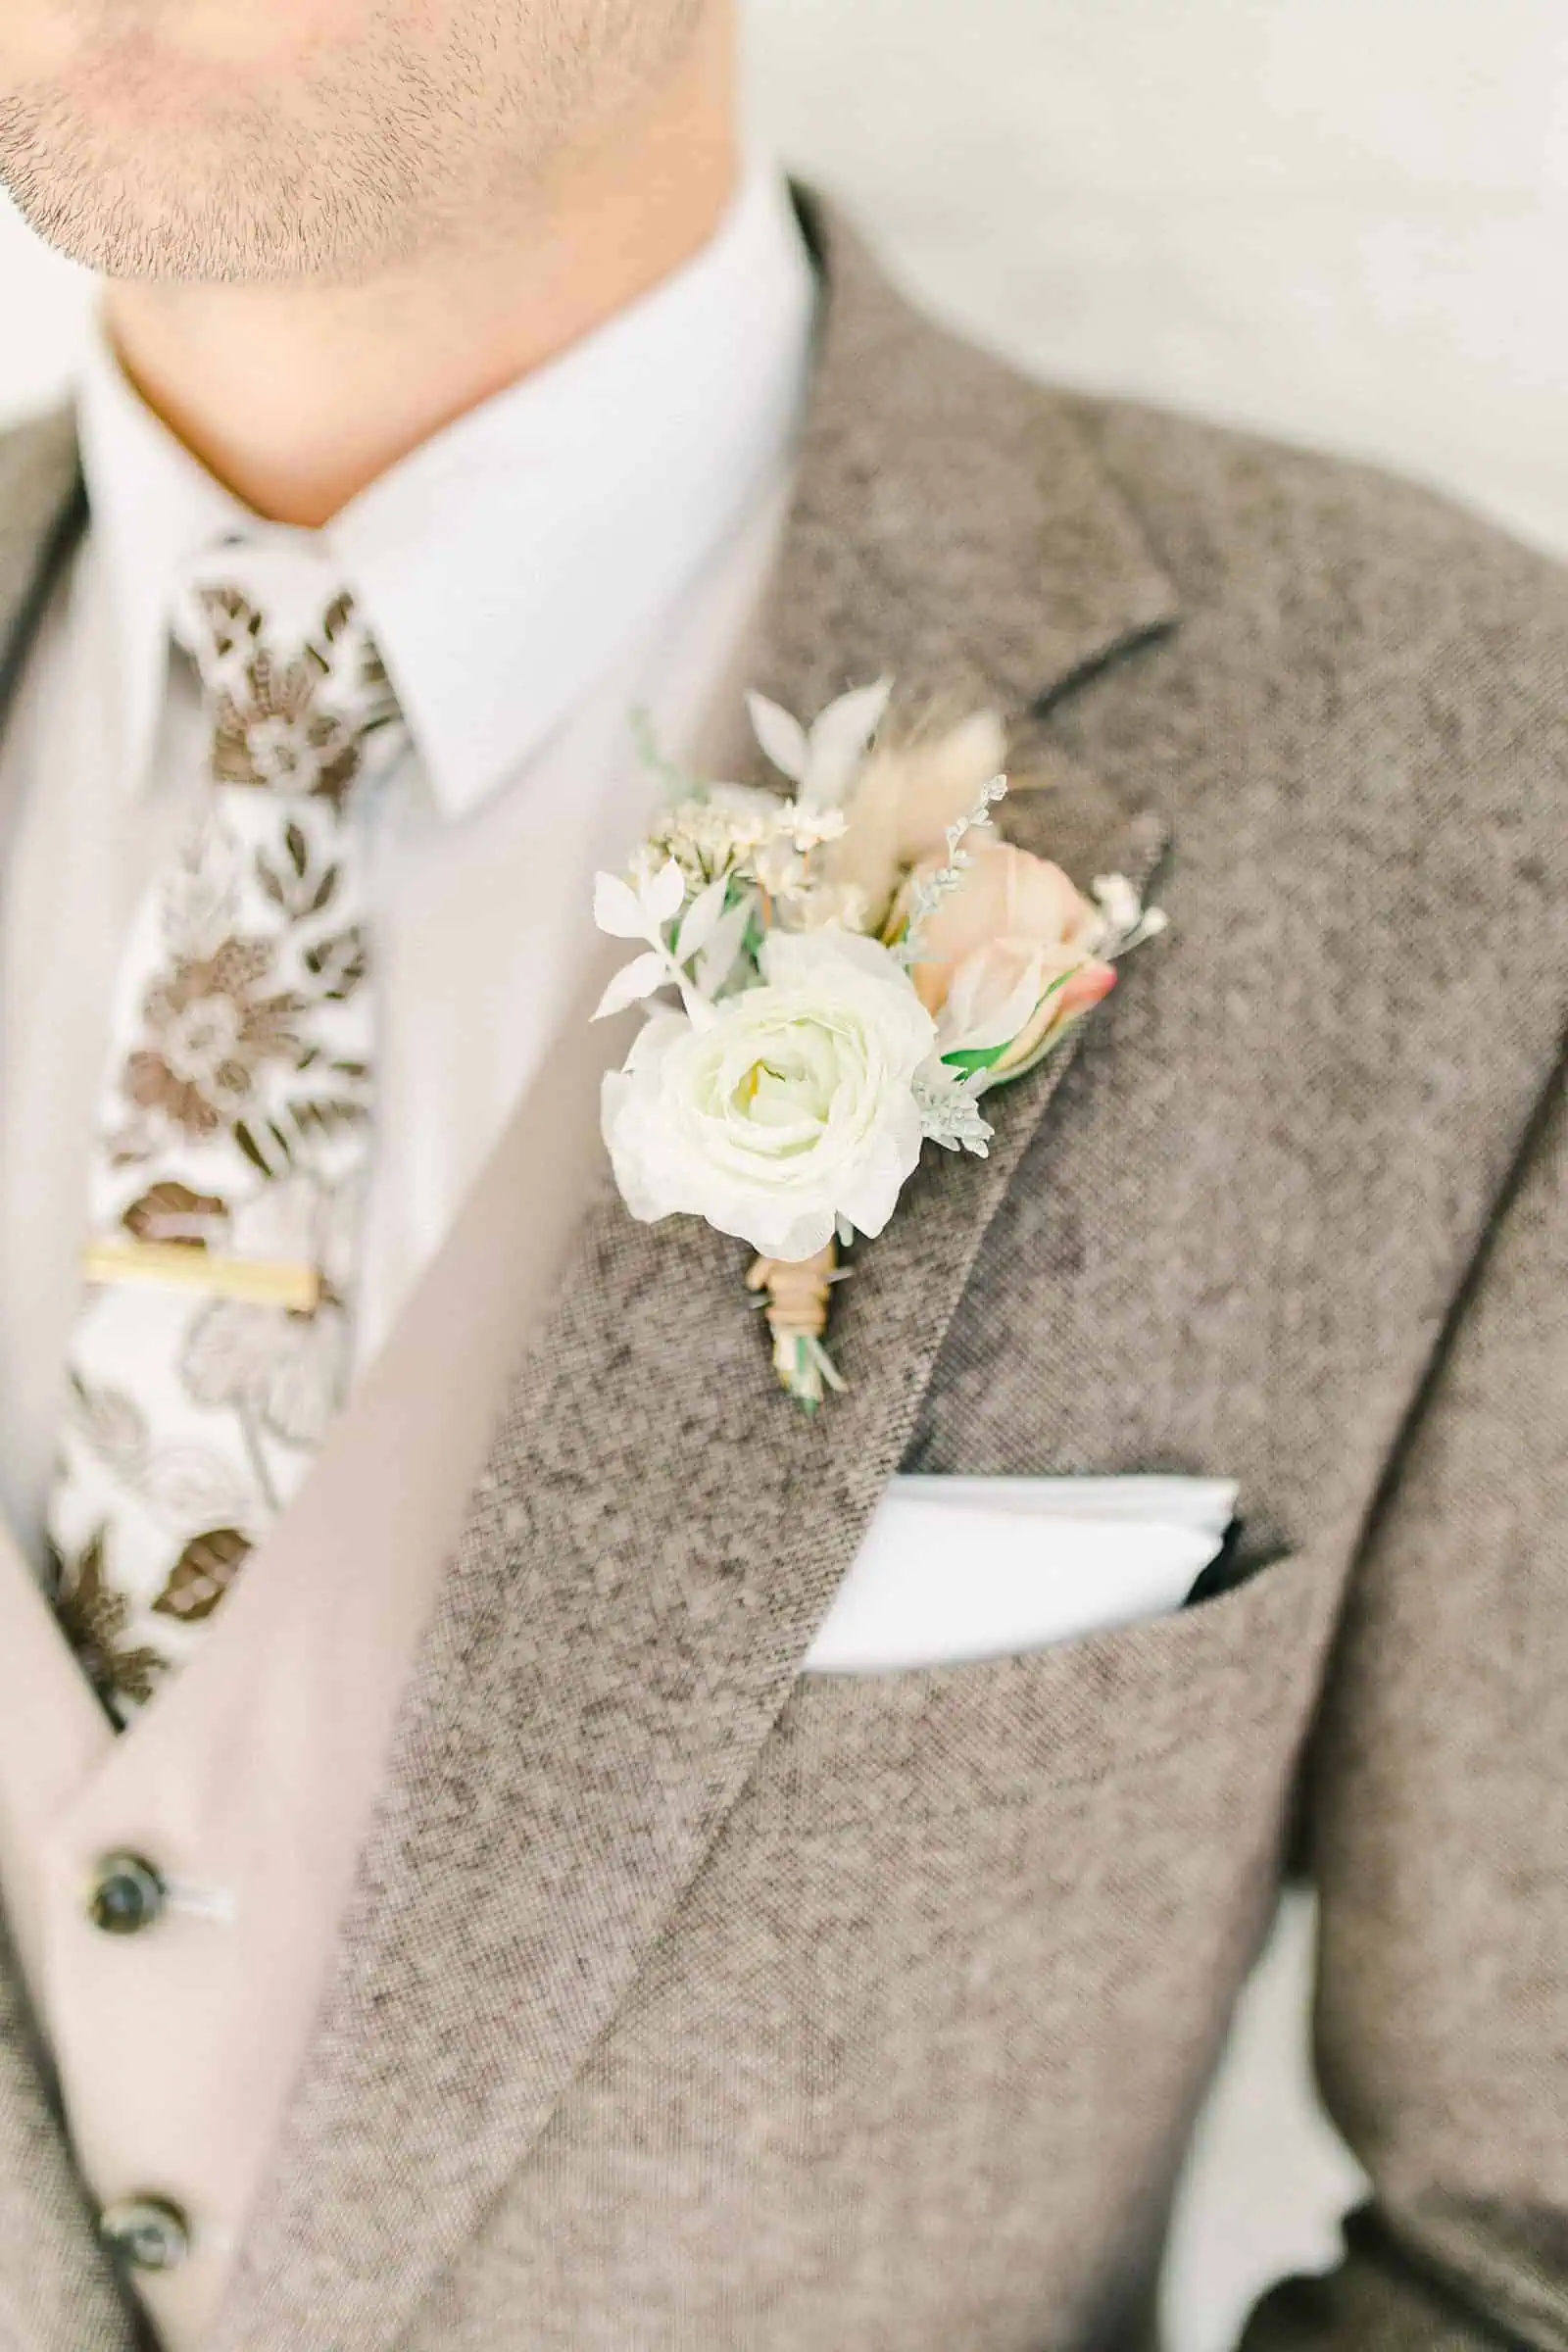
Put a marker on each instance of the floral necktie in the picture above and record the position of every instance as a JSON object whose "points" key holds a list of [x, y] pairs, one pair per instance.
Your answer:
{"points": [[233, 1132]]}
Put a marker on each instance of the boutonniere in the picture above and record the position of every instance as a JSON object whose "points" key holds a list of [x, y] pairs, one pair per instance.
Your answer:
{"points": [[835, 977]]}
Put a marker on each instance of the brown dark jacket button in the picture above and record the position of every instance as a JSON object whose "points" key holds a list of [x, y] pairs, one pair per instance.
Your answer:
{"points": [[125, 1894], [146, 2232]]}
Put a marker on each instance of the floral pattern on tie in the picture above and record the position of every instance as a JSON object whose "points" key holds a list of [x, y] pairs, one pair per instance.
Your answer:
{"points": [[211, 1032], [271, 728], [235, 1122], [95, 1618]]}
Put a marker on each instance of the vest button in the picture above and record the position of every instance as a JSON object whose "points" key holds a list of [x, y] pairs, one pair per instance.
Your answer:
{"points": [[148, 2233], [125, 1894]]}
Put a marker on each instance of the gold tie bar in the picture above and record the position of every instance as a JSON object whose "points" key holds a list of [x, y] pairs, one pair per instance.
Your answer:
{"points": [[176, 1266]]}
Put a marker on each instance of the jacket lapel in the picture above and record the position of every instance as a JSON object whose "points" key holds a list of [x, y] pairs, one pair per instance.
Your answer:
{"points": [[41, 508], [56, 2293], [658, 1531], [949, 516]]}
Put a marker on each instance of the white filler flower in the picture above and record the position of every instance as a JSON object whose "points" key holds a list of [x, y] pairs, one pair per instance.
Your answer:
{"points": [[790, 1114]]}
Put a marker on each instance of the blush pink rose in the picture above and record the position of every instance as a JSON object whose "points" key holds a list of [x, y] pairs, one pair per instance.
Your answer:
{"points": [[1010, 958]]}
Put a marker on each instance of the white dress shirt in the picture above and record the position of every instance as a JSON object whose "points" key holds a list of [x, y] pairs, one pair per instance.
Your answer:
{"points": [[592, 540]]}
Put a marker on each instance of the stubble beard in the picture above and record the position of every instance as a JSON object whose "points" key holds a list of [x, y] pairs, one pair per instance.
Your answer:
{"points": [[352, 168]]}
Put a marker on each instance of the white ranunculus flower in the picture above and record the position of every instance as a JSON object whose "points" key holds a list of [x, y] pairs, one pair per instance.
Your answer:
{"points": [[791, 1107]]}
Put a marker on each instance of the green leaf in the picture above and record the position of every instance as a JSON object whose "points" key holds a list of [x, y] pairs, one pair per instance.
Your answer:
{"points": [[980, 1058]]}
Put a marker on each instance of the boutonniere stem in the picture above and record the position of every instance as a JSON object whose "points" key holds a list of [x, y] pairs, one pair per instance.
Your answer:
{"points": [[794, 1294]]}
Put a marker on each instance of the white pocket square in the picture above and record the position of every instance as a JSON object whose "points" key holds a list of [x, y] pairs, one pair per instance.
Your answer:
{"points": [[957, 1569]]}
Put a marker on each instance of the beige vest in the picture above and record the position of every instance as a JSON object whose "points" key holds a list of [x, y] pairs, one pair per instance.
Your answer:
{"points": [[248, 1784]]}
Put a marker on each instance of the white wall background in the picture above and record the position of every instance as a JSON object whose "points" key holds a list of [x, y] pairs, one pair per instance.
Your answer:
{"points": [[1341, 220]]}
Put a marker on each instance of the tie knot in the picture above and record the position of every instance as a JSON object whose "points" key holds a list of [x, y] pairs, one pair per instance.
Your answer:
{"points": [[298, 699]]}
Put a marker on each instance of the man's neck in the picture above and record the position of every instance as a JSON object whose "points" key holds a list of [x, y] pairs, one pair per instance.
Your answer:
{"points": [[297, 396]]}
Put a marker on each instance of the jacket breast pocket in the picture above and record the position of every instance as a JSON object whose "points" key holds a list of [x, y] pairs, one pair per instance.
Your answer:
{"points": [[1199, 1686], [961, 1569]]}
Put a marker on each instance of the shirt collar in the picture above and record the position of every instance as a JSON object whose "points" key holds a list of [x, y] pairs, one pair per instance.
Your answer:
{"points": [[506, 563]]}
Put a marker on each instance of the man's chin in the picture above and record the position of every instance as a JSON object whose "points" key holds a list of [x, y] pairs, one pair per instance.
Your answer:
{"points": [[160, 208]]}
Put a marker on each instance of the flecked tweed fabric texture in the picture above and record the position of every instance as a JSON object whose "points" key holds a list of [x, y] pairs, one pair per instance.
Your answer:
{"points": [[687, 2006]]}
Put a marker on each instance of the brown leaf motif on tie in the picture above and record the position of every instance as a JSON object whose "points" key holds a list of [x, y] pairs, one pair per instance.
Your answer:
{"points": [[271, 728], [299, 883], [203, 1575], [95, 1617], [172, 1213]]}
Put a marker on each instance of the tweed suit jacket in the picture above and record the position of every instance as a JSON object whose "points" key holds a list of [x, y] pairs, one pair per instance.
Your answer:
{"points": [[684, 2004]]}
